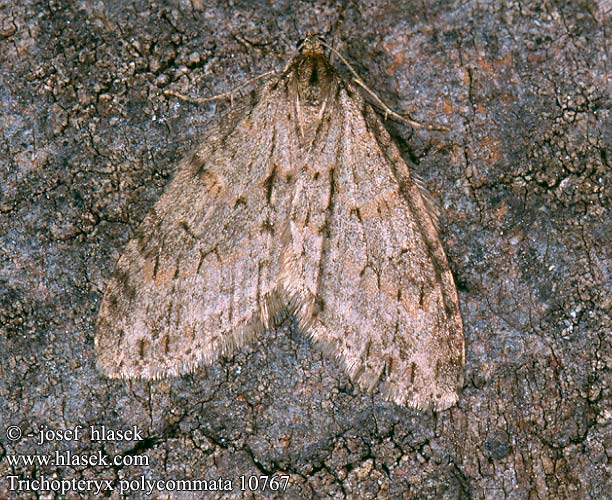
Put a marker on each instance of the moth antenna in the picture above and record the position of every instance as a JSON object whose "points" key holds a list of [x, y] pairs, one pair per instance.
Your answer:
{"points": [[225, 95], [388, 112]]}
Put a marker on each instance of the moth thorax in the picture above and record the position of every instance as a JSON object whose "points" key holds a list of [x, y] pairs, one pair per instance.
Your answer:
{"points": [[314, 76]]}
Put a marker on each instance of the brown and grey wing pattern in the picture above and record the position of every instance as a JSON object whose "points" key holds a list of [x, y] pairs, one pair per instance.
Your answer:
{"points": [[367, 264], [200, 272]]}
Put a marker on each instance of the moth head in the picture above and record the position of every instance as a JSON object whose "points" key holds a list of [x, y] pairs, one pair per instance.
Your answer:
{"points": [[310, 45]]}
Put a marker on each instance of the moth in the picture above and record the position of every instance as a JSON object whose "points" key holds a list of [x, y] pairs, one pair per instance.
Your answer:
{"points": [[300, 202]]}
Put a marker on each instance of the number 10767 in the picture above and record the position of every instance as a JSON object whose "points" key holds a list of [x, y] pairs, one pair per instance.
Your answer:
{"points": [[261, 483]]}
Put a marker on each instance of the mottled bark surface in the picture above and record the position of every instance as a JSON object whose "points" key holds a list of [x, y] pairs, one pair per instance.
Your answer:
{"points": [[88, 142]]}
